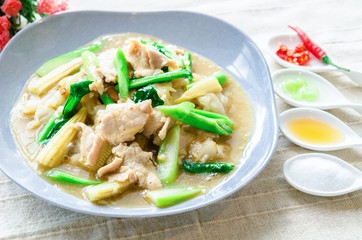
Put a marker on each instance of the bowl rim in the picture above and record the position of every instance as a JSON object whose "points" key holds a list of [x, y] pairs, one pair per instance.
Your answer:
{"points": [[163, 211]]}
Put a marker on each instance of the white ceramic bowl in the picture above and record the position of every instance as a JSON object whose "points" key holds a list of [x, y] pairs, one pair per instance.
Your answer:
{"points": [[217, 40]]}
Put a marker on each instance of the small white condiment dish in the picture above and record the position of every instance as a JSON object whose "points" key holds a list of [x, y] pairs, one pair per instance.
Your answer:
{"points": [[322, 175], [314, 64], [329, 96], [350, 138]]}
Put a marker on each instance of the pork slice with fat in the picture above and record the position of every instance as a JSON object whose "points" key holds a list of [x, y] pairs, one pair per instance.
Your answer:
{"points": [[119, 123], [138, 165]]}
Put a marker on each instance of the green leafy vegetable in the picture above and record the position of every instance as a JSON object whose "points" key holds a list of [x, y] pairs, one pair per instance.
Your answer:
{"points": [[207, 167], [66, 177], [145, 93], [76, 93]]}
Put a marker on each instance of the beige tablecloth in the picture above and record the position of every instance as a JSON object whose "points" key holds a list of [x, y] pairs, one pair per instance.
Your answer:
{"points": [[268, 207]]}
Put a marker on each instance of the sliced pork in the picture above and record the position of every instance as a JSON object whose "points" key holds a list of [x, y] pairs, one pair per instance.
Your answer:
{"points": [[90, 144], [146, 60], [106, 65], [111, 167], [154, 123], [137, 166], [121, 122]]}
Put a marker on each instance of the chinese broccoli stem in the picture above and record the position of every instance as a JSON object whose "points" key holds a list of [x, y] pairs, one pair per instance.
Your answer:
{"points": [[220, 76], [166, 52], [172, 195], [60, 60], [188, 67], [161, 77], [90, 64], [207, 167], [213, 115], [120, 64], [212, 122], [48, 127], [110, 95], [65, 177], [106, 99], [167, 158]]}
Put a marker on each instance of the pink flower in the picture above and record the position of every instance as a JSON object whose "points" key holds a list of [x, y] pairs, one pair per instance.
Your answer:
{"points": [[52, 6], [4, 38], [4, 23], [11, 8]]}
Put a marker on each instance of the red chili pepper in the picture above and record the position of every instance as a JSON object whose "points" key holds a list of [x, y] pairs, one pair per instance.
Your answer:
{"points": [[299, 56], [314, 48]]}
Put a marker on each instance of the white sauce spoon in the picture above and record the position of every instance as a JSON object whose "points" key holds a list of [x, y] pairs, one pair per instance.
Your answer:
{"points": [[314, 64], [322, 175], [329, 96], [350, 138]]}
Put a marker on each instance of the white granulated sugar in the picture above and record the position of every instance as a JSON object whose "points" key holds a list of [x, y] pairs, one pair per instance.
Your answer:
{"points": [[319, 174]]}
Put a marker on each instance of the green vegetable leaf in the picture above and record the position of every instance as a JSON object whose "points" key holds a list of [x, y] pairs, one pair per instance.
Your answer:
{"points": [[77, 91], [145, 93]]}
